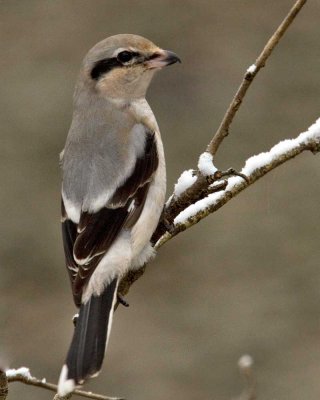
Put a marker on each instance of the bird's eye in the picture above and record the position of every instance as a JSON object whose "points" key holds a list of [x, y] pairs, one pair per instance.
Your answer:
{"points": [[125, 56]]}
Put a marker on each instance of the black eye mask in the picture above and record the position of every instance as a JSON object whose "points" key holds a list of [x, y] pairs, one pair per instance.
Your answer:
{"points": [[104, 66]]}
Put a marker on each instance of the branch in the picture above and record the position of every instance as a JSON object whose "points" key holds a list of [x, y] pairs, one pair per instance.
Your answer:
{"points": [[23, 375], [200, 187], [255, 168], [249, 76]]}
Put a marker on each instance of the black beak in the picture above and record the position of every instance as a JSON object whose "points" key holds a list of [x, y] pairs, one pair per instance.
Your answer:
{"points": [[171, 57]]}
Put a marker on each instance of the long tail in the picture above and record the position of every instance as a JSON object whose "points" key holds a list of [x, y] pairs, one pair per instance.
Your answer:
{"points": [[89, 340]]}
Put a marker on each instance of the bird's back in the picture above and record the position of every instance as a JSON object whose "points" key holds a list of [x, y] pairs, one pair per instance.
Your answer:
{"points": [[98, 139]]}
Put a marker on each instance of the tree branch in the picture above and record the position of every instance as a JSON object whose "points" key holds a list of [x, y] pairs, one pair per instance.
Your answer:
{"points": [[255, 168], [23, 375], [249, 76]]}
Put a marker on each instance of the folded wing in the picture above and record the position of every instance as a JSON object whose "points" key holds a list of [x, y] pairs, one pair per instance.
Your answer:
{"points": [[88, 241]]}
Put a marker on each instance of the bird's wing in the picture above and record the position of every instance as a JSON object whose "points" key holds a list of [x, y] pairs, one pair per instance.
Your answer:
{"points": [[86, 243]]}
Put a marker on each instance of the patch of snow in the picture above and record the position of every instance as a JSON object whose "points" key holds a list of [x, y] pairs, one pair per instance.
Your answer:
{"points": [[205, 164], [208, 201], [252, 69], [245, 361], [186, 180], [313, 132], [253, 163], [23, 371], [265, 158]]}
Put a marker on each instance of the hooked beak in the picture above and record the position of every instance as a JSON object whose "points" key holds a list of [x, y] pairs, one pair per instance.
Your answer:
{"points": [[162, 58]]}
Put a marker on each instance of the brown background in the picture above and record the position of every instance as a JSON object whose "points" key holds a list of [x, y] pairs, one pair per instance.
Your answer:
{"points": [[245, 280]]}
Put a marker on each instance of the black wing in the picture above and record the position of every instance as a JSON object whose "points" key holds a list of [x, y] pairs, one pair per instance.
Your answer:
{"points": [[95, 233]]}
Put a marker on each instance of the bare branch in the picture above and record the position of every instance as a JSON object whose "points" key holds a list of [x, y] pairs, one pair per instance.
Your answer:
{"points": [[26, 378], [249, 76]]}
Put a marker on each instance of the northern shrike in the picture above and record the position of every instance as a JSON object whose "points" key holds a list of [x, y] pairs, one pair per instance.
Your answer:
{"points": [[113, 189]]}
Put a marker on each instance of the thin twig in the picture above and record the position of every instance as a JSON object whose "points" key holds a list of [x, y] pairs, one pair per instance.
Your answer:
{"points": [[51, 386], [249, 76]]}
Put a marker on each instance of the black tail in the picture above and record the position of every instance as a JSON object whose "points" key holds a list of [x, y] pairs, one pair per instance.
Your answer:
{"points": [[89, 340]]}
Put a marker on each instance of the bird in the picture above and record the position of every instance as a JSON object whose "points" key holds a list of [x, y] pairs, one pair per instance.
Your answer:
{"points": [[113, 189]]}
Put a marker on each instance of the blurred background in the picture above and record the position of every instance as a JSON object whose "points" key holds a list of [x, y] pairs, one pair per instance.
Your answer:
{"points": [[245, 280]]}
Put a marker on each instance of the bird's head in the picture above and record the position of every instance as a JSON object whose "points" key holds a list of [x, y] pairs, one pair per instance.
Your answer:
{"points": [[122, 66]]}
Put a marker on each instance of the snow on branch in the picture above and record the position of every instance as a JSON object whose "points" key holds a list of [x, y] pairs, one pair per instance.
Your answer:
{"points": [[255, 168], [205, 164], [23, 375], [186, 180]]}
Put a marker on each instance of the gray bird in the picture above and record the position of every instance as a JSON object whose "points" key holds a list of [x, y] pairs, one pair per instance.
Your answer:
{"points": [[113, 189]]}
